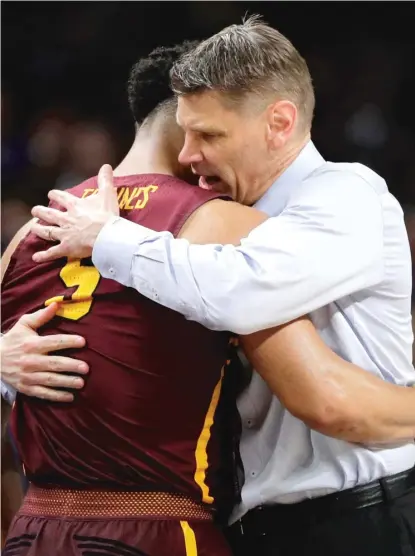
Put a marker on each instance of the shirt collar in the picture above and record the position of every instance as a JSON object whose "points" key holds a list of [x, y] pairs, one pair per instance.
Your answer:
{"points": [[275, 198]]}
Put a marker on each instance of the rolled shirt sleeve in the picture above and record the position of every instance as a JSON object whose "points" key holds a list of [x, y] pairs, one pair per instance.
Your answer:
{"points": [[326, 244]]}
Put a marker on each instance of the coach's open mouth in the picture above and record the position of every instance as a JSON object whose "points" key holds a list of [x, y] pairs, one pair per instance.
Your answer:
{"points": [[211, 182]]}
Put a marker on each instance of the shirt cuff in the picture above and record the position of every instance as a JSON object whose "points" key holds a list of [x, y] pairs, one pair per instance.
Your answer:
{"points": [[115, 247], [8, 393]]}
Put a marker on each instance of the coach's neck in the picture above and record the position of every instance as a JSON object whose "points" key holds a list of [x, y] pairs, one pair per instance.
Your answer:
{"points": [[276, 168]]}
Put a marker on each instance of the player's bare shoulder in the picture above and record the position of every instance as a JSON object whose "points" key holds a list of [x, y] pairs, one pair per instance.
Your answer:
{"points": [[221, 221]]}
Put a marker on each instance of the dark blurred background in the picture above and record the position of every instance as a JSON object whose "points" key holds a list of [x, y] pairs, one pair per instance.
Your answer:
{"points": [[65, 64]]}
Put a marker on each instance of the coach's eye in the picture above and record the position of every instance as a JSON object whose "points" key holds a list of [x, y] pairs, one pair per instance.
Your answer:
{"points": [[208, 136]]}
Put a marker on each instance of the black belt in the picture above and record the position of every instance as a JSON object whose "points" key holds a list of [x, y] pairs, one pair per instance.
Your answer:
{"points": [[263, 520]]}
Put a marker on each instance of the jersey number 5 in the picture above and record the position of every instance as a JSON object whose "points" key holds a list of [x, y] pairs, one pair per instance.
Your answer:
{"points": [[78, 304]]}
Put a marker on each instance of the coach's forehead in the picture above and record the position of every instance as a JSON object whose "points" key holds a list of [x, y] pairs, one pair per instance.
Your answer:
{"points": [[204, 112]]}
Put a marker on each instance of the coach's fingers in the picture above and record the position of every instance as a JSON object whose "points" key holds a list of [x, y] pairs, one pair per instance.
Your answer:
{"points": [[49, 394], [50, 215], [34, 363], [63, 198], [105, 178], [39, 318], [56, 342], [49, 233], [107, 189], [55, 252], [52, 380]]}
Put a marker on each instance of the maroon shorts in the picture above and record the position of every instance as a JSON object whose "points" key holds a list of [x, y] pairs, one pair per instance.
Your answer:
{"points": [[36, 535]]}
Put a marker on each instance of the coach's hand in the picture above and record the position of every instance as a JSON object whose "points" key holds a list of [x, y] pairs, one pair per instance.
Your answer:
{"points": [[78, 227], [26, 365]]}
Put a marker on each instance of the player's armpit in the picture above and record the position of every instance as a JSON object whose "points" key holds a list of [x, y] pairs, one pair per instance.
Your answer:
{"points": [[329, 394], [222, 222]]}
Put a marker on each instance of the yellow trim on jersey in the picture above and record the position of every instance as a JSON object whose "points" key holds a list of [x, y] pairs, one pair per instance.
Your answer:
{"points": [[189, 539], [203, 440]]}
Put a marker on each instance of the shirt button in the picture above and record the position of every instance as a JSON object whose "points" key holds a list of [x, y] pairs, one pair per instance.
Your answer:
{"points": [[112, 271], [249, 423], [253, 473]]}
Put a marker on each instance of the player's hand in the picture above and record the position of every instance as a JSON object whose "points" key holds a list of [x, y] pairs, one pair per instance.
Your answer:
{"points": [[78, 227], [26, 365]]}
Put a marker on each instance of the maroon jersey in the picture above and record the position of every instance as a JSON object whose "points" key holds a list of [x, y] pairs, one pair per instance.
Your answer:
{"points": [[156, 412]]}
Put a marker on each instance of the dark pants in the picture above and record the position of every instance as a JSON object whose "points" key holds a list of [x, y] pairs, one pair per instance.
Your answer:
{"points": [[384, 529]]}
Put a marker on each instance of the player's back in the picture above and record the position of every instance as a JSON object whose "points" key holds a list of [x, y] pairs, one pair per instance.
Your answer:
{"points": [[148, 416]]}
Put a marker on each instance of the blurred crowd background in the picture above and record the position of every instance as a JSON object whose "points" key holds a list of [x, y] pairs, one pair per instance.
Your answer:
{"points": [[65, 65]]}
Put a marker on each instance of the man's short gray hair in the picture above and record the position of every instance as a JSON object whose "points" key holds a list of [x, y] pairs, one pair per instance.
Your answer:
{"points": [[248, 58]]}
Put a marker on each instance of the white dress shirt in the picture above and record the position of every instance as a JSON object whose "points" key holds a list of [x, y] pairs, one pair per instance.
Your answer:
{"points": [[336, 249]]}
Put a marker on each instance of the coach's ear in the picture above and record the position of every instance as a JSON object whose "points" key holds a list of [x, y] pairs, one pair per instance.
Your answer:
{"points": [[107, 189]]}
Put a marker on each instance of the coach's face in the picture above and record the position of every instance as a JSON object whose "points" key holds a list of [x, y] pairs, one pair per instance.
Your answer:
{"points": [[236, 149]]}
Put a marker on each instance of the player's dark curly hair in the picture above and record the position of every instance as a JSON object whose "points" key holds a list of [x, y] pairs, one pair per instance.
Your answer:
{"points": [[149, 82]]}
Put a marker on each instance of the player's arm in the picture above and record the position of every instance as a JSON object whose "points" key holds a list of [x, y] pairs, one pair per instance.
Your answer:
{"points": [[25, 363], [329, 394]]}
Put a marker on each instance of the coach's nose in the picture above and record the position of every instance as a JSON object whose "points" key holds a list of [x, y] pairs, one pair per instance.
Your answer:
{"points": [[190, 153]]}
